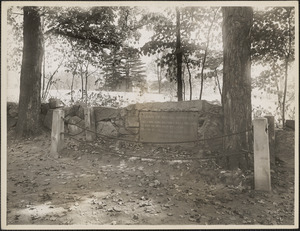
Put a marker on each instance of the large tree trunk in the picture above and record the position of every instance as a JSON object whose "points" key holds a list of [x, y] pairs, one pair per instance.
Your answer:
{"points": [[236, 93], [30, 83], [178, 56]]}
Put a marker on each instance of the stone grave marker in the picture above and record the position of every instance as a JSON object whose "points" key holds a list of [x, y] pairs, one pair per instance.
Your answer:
{"points": [[171, 126]]}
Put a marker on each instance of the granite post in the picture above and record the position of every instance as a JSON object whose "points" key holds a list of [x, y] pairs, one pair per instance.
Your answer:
{"points": [[57, 135], [262, 176]]}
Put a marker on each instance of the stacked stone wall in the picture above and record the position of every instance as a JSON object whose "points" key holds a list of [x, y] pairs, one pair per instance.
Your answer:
{"points": [[125, 122]]}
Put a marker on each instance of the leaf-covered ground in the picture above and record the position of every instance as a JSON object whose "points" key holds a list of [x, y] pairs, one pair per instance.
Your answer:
{"points": [[89, 186]]}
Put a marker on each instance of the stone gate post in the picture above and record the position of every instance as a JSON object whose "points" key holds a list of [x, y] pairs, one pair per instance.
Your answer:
{"points": [[90, 123], [57, 136], [262, 177]]}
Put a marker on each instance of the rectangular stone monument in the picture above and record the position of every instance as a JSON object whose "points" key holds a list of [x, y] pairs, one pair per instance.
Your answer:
{"points": [[90, 124], [169, 126], [262, 176], [57, 136]]}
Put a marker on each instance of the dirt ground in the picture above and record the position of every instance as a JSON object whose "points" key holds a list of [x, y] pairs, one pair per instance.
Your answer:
{"points": [[89, 186]]}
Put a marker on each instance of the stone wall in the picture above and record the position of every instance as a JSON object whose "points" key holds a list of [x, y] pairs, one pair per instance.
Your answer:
{"points": [[125, 122]]}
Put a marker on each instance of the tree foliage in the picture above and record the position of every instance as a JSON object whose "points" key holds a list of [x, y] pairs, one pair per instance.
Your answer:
{"points": [[198, 27], [273, 35], [273, 46], [124, 66]]}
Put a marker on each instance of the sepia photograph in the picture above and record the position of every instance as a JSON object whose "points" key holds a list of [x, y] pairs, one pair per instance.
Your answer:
{"points": [[149, 115]]}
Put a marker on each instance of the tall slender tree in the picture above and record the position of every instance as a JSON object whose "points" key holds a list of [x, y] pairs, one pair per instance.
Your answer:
{"points": [[30, 84], [236, 98], [178, 56]]}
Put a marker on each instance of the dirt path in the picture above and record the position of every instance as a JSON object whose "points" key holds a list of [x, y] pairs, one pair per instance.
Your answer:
{"points": [[86, 185]]}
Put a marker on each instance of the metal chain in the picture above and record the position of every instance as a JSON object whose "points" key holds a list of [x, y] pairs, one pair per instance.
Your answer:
{"points": [[160, 158]]}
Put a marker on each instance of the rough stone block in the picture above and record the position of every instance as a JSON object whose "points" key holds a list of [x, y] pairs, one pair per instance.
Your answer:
{"points": [[80, 111], [106, 129], [105, 113], [123, 112], [119, 122], [71, 111], [128, 131], [193, 105], [130, 137], [75, 125], [132, 119]]}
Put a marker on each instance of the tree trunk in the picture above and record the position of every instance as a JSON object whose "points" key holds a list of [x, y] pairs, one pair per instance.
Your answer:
{"points": [[236, 93], [183, 84], [86, 82], [178, 56], [158, 70], [205, 54], [72, 84], [31, 71], [286, 66], [50, 81], [190, 77], [202, 74], [86, 88], [82, 84], [284, 92], [44, 75], [72, 87], [218, 84]]}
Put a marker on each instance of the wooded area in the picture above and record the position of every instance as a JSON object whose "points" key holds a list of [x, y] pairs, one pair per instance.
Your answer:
{"points": [[101, 42], [167, 114]]}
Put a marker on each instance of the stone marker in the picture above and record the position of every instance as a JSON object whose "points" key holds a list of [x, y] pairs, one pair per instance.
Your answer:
{"points": [[76, 125], [262, 177], [168, 126], [57, 136], [271, 134], [90, 124]]}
